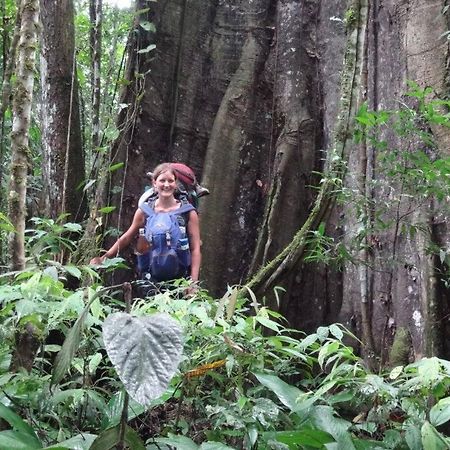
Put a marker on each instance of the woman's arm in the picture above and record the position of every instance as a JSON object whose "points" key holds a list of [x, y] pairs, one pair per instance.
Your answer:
{"points": [[124, 240], [193, 228]]}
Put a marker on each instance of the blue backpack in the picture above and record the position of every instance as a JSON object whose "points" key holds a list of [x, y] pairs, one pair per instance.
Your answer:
{"points": [[169, 256]]}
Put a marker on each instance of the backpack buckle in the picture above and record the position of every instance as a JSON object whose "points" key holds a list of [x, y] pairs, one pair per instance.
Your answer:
{"points": [[168, 239]]}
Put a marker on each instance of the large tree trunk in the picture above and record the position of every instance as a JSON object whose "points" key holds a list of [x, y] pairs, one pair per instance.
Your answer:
{"points": [[257, 96], [63, 161], [405, 291]]}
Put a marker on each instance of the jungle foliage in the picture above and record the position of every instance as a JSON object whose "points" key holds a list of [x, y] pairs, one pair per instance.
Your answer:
{"points": [[210, 373]]}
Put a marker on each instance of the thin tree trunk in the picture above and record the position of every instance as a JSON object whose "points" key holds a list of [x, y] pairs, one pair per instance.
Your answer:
{"points": [[364, 179], [22, 101], [88, 245], [26, 339], [95, 10], [9, 66]]}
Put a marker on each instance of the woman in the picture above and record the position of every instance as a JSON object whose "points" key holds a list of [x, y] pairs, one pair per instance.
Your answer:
{"points": [[165, 185]]}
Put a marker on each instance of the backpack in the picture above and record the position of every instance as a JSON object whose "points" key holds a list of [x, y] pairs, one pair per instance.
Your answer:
{"points": [[169, 256]]}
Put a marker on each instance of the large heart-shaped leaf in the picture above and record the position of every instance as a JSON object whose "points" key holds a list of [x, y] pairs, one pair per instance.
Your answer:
{"points": [[145, 351]]}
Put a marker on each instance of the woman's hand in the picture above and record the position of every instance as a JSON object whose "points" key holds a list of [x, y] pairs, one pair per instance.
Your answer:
{"points": [[97, 260], [192, 289]]}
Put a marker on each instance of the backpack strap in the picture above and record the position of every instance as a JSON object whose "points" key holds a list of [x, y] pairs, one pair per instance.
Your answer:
{"points": [[149, 209], [184, 208], [145, 196]]}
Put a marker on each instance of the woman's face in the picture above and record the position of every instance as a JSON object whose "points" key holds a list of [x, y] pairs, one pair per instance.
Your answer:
{"points": [[165, 184]]}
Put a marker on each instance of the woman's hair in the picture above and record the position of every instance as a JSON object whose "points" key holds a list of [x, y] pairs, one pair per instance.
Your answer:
{"points": [[161, 168]]}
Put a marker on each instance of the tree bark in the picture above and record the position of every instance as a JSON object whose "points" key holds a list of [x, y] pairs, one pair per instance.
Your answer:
{"points": [[9, 66], [427, 64], [95, 13], [63, 160], [26, 339], [26, 347], [22, 101]]}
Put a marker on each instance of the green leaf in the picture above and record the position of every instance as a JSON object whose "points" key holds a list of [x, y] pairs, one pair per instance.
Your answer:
{"points": [[268, 323], [107, 209], [309, 340], [307, 437], [252, 435], [68, 350], [51, 272], [211, 445], [109, 438], [16, 421], [78, 442], [115, 167], [112, 133], [133, 439], [147, 49], [254, 302], [323, 332], [393, 439], [413, 437], [114, 408], [327, 350], [367, 444], [336, 331], [395, 372], [70, 346], [74, 271], [440, 413], [94, 361], [89, 184], [432, 439], [287, 394], [63, 396], [59, 447], [74, 227], [429, 370], [145, 351], [324, 418], [179, 442], [148, 26], [5, 224], [340, 397], [321, 229], [16, 440], [113, 263]]}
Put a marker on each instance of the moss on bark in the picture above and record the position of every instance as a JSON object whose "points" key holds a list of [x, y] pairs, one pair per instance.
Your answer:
{"points": [[401, 348]]}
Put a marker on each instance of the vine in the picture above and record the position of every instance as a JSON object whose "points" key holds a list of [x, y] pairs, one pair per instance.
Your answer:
{"points": [[269, 274]]}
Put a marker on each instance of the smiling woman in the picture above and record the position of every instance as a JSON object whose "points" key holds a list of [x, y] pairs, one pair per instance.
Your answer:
{"points": [[171, 228]]}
